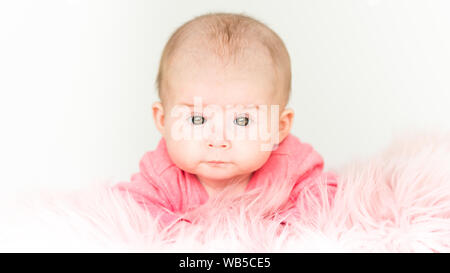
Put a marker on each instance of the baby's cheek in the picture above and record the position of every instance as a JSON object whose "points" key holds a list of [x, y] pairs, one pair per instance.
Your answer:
{"points": [[262, 157], [183, 155], [252, 157]]}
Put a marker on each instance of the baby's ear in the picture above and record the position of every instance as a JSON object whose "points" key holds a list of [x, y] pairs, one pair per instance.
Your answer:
{"points": [[285, 125], [158, 116]]}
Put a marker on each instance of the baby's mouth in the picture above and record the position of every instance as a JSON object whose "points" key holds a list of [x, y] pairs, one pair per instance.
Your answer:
{"points": [[216, 163]]}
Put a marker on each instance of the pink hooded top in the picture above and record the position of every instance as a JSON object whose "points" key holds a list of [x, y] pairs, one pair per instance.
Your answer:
{"points": [[167, 191]]}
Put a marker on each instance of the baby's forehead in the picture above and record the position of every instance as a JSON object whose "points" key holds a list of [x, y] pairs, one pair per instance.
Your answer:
{"points": [[219, 104], [201, 52], [208, 103], [249, 77]]}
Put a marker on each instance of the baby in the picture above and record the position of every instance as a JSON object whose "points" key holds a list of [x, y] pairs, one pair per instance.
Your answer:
{"points": [[224, 82]]}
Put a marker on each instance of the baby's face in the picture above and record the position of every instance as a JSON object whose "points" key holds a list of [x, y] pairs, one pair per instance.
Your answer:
{"points": [[216, 113]]}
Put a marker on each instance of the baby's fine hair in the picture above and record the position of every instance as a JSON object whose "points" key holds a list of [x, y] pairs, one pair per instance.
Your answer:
{"points": [[227, 34]]}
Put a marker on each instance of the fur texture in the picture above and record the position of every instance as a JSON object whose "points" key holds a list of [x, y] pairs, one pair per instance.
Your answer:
{"points": [[396, 201]]}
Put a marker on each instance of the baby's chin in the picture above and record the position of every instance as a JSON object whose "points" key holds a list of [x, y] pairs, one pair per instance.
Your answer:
{"points": [[215, 171]]}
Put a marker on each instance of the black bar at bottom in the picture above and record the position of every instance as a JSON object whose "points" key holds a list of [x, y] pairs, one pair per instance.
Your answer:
{"points": [[218, 262]]}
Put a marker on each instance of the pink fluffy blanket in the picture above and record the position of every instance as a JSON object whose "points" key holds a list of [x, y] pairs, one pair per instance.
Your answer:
{"points": [[396, 201]]}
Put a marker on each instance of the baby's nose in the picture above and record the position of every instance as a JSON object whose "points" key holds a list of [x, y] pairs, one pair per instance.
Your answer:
{"points": [[222, 144]]}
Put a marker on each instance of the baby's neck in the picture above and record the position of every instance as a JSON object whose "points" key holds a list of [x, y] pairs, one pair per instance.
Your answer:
{"points": [[213, 187]]}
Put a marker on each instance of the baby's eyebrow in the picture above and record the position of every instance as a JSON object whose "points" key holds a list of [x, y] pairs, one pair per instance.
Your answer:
{"points": [[246, 107]]}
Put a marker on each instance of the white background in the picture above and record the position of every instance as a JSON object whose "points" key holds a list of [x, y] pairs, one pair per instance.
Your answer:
{"points": [[77, 79]]}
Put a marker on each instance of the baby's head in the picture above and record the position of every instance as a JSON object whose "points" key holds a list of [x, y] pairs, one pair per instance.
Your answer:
{"points": [[235, 74]]}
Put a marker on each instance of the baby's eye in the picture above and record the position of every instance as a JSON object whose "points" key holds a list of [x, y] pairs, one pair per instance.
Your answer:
{"points": [[197, 119], [242, 121]]}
